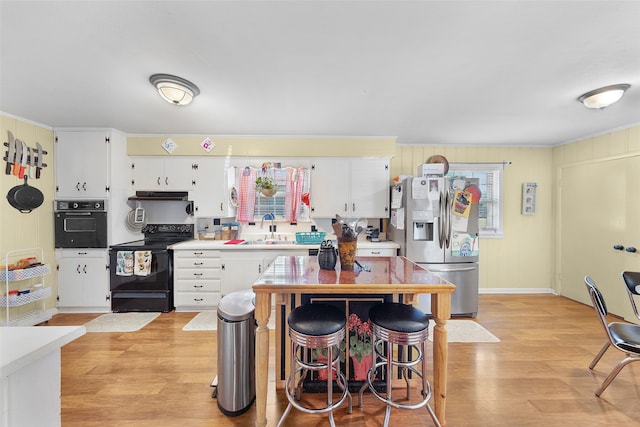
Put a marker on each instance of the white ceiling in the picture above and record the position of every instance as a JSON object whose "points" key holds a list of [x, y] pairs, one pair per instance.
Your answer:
{"points": [[427, 72]]}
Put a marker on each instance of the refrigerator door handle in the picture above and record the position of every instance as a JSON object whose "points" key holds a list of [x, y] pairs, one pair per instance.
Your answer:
{"points": [[447, 270], [448, 217], [441, 221]]}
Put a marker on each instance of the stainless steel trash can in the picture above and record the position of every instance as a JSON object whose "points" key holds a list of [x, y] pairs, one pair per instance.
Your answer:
{"points": [[236, 389]]}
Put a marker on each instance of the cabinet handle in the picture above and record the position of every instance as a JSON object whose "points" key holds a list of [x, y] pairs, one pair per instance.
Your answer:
{"points": [[375, 253], [198, 263], [78, 268], [166, 180], [198, 253], [197, 274], [198, 299], [354, 207], [198, 286], [84, 186], [84, 269], [259, 268], [346, 207], [158, 181], [221, 206], [77, 186]]}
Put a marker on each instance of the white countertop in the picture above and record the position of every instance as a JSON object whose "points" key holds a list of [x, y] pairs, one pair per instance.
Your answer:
{"points": [[281, 245], [22, 345]]}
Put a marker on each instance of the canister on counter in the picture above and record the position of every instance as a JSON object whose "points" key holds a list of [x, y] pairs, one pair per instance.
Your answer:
{"points": [[230, 230], [226, 231], [235, 228]]}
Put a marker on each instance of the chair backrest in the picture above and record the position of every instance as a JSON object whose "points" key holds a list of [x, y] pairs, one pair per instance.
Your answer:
{"points": [[632, 280], [598, 301]]}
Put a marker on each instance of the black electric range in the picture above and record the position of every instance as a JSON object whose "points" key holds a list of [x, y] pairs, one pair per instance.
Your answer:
{"points": [[141, 272]]}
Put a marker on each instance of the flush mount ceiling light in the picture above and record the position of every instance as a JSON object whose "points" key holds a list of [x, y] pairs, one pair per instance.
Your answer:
{"points": [[603, 97], [174, 89]]}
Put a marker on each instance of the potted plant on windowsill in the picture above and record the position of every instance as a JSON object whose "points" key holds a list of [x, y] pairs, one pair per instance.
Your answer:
{"points": [[266, 186]]}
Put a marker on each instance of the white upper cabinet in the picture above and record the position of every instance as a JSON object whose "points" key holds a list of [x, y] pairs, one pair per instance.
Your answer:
{"points": [[350, 187], [82, 164], [165, 174], [211, 195]]}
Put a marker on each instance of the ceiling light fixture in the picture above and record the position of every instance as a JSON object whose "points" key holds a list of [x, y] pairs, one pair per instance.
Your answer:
{"points": [[603, 97], [174, 89]]}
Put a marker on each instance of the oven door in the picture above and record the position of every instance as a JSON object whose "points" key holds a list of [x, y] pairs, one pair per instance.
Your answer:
{"points": [[157, 278], [131, 291], [81, 229]]}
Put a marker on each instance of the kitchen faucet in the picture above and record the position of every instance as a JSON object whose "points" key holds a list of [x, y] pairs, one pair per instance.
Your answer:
{"points": [[272, 228]]}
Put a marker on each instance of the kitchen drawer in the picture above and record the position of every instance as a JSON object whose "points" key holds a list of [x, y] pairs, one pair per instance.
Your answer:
{"points": [[197, 262], [197, 273], [196, 253], [211, 285], [196, 300], [376, 252]]}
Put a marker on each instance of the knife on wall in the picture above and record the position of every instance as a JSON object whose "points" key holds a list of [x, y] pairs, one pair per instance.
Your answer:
{"points": [[16, 162], [32, 162], [11, 154], [23, 160], [39, 162]]}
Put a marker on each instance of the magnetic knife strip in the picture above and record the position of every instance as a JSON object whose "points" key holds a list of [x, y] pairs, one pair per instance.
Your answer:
{"points": [[20, 157]]}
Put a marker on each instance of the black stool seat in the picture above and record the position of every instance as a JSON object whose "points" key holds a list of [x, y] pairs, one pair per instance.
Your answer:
{"points": [[398, 317], [317, 319]]}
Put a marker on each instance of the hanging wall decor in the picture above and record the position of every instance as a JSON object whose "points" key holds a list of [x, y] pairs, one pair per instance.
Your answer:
{"points": [[529, 193]]}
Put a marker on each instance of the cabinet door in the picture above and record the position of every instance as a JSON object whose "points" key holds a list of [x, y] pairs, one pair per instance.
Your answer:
{"points": [[147, 173], [369, 188], [82, 164], [181, 173], [240, 273], [329, 188], [212, 190], [83, 280], [159, 173]]}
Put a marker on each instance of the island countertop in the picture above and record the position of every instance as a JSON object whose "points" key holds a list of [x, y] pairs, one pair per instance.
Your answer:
{"points": [[389, 275]]}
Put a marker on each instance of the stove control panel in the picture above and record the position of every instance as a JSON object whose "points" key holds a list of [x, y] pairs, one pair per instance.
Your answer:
{"points": [[168, 228], [80, 205]]}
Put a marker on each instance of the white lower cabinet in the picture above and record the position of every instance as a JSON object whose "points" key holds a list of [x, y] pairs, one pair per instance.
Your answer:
{"points": [[83, 280], [240, 269], [196, 279]]}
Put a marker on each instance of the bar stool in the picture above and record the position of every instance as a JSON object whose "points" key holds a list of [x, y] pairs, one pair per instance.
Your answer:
{"points": [[399, 325], [315, 326]]}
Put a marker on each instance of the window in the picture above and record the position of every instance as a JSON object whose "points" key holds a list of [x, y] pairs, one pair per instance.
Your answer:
{"points": [[291, 185], [275, 204], [490, 177]]}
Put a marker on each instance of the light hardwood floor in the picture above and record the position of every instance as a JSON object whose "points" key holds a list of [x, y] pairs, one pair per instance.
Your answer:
{"points": [[536, 376]]}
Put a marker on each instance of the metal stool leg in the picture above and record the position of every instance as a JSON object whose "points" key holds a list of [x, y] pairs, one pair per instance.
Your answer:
{"points": [[301, 365], [387, 412], [404, 343]]}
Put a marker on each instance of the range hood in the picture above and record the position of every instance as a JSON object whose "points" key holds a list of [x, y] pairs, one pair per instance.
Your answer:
{"points": [[161, 195]]}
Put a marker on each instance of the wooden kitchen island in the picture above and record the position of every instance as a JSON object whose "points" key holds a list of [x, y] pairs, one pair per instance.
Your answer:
{"points": [[402, 279]]}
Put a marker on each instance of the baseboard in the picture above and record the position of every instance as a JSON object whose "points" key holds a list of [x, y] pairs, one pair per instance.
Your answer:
{"points": [[517, 291]]}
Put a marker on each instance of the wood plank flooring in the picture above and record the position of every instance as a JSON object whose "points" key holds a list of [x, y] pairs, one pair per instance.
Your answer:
{"points": [[536, 376]]}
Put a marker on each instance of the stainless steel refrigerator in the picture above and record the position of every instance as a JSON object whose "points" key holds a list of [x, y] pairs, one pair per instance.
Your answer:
{"points": [[435, 221]]}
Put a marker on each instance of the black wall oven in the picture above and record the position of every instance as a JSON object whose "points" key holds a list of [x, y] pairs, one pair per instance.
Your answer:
{"points": [[80, 224]]}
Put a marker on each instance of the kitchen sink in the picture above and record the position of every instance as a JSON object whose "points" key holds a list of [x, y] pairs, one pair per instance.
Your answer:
{"points": [[269, 242]]}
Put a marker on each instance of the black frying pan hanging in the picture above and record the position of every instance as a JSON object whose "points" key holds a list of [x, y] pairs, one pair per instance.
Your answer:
{"points": [[24, 197]]}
